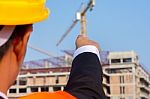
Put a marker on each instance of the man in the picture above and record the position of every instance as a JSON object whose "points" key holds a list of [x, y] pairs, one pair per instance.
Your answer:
{"points": [[85, 80]]}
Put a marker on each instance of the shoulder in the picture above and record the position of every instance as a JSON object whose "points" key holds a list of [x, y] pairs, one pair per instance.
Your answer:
{"points": [[48, 95]]}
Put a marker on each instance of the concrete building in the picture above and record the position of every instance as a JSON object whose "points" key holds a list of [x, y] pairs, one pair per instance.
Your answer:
{"points": [[39, 80], [124, 77]]}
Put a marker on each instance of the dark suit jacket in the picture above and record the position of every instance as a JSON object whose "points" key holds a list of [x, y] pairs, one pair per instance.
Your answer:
{"points": [[85, 80]]}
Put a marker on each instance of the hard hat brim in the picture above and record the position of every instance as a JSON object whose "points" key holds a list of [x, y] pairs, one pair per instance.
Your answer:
{"points": [[21, 20], [19, 12]]}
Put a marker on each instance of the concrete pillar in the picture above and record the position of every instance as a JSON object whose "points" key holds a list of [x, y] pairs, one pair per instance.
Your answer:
{"points": [[51, 89], [109, 61], [62, 88], [121, 60], [17, 90], [46, 63], [17, 81], [39, 89], [17, 85], [28, 90], [134, 82], [34, 80]]}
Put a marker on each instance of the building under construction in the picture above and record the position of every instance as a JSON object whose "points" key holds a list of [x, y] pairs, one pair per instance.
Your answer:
{"points": [[123, 76]]}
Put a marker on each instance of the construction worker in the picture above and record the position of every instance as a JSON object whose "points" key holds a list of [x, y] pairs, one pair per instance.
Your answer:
{"points": [[16, 19]]}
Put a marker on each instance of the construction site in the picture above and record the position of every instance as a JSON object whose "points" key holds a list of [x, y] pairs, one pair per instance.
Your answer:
{"points": [[124, 77]]}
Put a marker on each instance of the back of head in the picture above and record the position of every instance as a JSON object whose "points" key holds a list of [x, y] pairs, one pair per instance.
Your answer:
{"points": [[15, 17]]}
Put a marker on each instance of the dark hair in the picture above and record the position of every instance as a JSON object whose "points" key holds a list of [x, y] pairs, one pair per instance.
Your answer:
{"points": [[19, 32]]}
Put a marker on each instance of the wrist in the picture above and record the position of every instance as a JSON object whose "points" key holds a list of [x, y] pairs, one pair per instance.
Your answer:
{"points": [[87, 48]]}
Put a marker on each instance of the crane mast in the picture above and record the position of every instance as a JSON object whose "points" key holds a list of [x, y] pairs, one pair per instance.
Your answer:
{"points": [[83, 30], [83, 20]]}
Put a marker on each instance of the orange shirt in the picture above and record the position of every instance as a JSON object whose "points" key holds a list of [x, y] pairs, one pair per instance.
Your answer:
{"points": [[48, 95]]}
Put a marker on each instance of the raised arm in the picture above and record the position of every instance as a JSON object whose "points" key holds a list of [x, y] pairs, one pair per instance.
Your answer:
{"points": [[85, 80]]}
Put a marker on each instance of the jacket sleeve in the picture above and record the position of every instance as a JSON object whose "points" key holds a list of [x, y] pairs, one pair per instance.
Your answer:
{"points": [[85, 80]]}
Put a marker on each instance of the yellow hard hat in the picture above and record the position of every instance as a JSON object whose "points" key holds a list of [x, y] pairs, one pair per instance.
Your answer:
{"points": [[19, 12]]}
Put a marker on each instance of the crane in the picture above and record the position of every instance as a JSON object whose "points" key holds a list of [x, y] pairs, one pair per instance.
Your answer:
{"points": [[80, 16], [47, 53], [41, 51]]}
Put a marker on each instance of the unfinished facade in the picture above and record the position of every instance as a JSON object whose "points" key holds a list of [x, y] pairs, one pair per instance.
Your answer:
{"points": [[124, 77]]}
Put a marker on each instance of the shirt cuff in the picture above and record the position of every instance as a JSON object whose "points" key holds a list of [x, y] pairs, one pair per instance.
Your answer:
{"points": [[3, 95], [87, 48]]}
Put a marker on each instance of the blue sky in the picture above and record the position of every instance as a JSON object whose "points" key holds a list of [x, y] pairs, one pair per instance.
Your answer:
{"points": [[117, 25]]}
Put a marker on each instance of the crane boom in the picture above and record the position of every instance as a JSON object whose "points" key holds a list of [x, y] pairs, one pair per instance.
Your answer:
{"points": [[67, 32], [46, 53], [90, 6], [41, 51]]}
